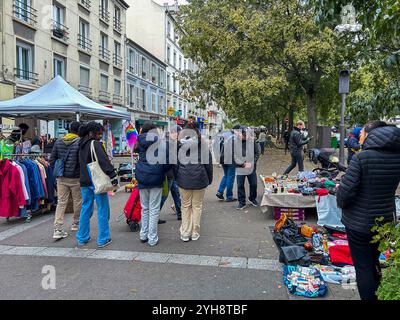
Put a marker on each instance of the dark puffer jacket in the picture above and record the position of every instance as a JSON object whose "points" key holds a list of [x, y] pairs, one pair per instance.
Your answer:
{"points": [[367, 191], [71, 167], [85, 157], [193, 176], [149, 175]]}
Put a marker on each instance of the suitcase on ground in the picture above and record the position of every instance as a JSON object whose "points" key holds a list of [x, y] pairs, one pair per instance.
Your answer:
{"points": [[133, 210]]}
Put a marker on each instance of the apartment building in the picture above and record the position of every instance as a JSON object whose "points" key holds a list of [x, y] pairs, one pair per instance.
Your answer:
{"points": [[80, 40], [146, 86]]}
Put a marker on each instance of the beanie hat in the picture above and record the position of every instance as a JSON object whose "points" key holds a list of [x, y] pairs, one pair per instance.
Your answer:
{"points": [[357, 131]]}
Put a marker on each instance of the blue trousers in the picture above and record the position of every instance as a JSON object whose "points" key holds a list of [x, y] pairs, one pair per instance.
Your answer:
{"points": [[174, 189], [228, 180], [103, 216]]}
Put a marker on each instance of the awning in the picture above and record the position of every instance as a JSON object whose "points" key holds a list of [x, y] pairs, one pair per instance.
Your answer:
{"points": [[55, 101]]}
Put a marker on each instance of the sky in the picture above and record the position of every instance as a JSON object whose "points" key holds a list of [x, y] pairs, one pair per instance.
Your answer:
{"points": [[170, 1]]}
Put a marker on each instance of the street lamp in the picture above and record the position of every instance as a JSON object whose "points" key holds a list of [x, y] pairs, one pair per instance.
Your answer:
{"points": [[344, 90]]}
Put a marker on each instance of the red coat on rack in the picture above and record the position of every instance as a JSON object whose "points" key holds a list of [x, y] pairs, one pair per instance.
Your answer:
{"points": [[11, 195]]}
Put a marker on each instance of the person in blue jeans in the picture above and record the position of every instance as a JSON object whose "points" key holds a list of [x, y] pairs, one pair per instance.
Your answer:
{"points": [[176, 196], [92, 133], [227, 162]]}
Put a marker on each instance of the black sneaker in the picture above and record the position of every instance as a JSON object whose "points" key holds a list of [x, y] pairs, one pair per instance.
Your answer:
{"points": [[220, 196], [241, 206], [144, 241], [231, 200], [105, 244], [254, 203], [179, 217], [161, 221]]}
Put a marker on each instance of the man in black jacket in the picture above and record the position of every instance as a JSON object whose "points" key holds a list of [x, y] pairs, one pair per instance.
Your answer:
{"points": [[367, 192], [296, 144], [247, 165], [67, 150]]}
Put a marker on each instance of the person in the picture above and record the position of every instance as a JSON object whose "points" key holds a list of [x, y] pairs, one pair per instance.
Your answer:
{"points": [[172, 185], [249, 167], [92, 134], [353, 144], [228, 180], [286, 137], [296, 144], [192, 177], [262, 140], [150, 179], [36, 145], [67, 149], [18, 135], [367, 192]]}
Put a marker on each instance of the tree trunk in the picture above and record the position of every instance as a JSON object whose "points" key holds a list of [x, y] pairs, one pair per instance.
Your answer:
{"points": [[312, 117], [291, 119], [278, 122]]}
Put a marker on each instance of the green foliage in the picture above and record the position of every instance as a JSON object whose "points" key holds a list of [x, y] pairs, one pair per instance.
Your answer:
{"points": [[388, 238]]}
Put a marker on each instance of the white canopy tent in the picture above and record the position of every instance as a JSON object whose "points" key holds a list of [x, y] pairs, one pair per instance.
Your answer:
{"points": [[57, 100]]}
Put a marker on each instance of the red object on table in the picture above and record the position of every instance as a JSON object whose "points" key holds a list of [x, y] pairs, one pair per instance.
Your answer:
{"points": [[340, 255]]}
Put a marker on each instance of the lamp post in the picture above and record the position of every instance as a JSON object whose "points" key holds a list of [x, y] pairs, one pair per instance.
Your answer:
{"points": [[344, 90]]}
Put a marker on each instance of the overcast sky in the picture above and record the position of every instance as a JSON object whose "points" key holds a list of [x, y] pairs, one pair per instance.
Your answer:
{"points": [[170, 1]]}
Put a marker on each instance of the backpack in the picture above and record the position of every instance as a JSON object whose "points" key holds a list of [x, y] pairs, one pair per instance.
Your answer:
{"points": [[133, 210]]}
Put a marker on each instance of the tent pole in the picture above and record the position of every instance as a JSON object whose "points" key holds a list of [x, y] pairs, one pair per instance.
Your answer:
{"points": [[77, 117]]}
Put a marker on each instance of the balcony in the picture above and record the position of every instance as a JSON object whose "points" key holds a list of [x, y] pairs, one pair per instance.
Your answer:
{"points": [[104, 14], [104, 96], [25, 75], [87, 4], [117, 24], [104, 54], [117, 60], [60, 31], [117, 99], [25, 13], [84, 43], [86, 91]]}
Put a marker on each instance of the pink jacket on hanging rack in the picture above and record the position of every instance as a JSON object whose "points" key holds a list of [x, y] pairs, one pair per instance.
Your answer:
{"points": [[11, 195]]}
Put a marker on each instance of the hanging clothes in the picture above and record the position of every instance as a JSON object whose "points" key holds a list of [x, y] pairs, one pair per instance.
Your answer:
{"points": [[12, 196]]}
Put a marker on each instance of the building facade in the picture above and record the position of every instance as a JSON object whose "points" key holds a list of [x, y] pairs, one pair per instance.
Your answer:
{"points": [[80, 40], [145, 86]]}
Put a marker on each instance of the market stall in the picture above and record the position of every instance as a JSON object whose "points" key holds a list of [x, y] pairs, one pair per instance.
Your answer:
{"points": [[33, 184]]}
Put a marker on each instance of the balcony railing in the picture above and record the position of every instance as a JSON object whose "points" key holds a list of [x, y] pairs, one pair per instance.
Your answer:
{"points": [[117, 24], [117, 59], [85, 90], [86, 3], [60, 31], [104, 96], [26, 75], [25, 12], [117, 99], [104, 53], [84, 43], [104, 14]]}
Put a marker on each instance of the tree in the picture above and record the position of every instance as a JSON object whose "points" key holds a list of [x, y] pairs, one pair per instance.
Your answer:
{"points": [[249, 52]]}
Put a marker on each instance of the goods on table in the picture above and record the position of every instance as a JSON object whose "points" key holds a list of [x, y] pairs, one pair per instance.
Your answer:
{"points": [[297, 214]]}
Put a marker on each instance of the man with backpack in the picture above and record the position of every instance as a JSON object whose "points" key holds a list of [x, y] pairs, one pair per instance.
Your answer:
{"points": [[226, 160], [65, 161]]}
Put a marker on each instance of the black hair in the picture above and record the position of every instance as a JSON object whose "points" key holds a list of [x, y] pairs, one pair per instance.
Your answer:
{"points": [[148, 126], [237, 127], [74, 127], [374, 125], [83, 130], [194, 126], [94, 127]]}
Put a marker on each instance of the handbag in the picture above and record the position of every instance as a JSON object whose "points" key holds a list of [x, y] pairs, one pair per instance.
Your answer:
{"points": [[60, 165], [101, 181]]}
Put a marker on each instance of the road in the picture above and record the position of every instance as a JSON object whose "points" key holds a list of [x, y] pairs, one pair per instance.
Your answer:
{"points": [[234, 259]]}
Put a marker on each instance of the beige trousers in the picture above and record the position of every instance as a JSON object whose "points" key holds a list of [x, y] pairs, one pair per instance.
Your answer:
{"points": [[192, 206], [65, 187]]}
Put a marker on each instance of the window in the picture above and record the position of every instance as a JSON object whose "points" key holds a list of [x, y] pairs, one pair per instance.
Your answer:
{"points": [[58, 14], [84, 77], [117, 19], [162, 78], [137, 63], [168, 82], [169, 29], [159, 74], [161, 105], [144, 67], [59, 66], [24, 61], [153, 73], [174, 84], [117, 54], [180, 63], [131, 61], [153, 102], [185, 65], [24, 11], [104, 83], [169, 54], [132, 95], [104, 53], [104, 14], [83, 37], [174, 62], [144, 99], [117, 88]]}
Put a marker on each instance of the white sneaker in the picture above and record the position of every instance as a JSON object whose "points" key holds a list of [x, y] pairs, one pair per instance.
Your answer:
{"points": [[185, 239], [59, 234], [75, 227], [195, 238]]}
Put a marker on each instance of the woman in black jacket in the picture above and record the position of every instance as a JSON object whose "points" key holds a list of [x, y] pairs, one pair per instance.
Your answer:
{"points": [[193, 175], [92, 133], [367, 192]]}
